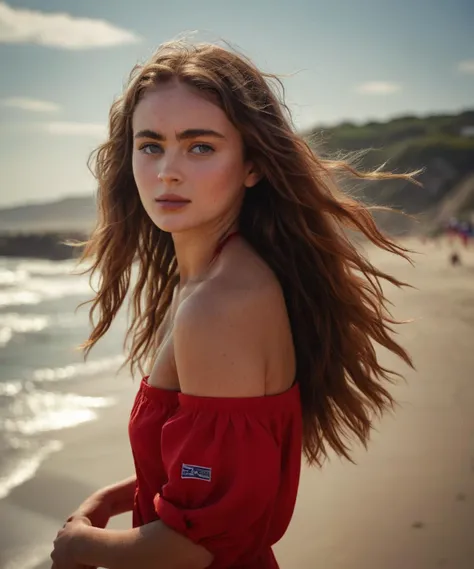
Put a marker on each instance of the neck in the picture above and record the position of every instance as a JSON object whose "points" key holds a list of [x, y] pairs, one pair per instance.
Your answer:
{"points": [[195, 251]]}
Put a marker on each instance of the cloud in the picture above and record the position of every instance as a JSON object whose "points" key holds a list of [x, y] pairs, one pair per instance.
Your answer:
{"points": [[466, 66], [378, 88], [76, 129], [27, 104], [58, 29]]}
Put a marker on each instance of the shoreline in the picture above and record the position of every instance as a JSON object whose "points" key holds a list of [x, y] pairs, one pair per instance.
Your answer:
{"points": [[65, 478], [409, 502]]}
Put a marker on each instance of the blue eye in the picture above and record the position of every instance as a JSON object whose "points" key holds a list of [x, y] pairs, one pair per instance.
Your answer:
{"points": [[151, 149], [203, 149]]}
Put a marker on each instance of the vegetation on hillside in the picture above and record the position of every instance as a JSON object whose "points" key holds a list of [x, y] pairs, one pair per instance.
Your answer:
{"points": [[441, 145]]}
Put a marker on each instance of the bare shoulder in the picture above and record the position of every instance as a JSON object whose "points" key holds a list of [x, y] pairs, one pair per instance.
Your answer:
{"points": [[221, 334]]}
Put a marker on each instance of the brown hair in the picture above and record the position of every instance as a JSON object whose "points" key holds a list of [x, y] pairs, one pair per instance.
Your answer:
{"points": [[296, 218]]}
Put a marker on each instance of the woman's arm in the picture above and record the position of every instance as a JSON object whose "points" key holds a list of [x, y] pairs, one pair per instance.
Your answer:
{"points": [[108, 502], [121, 495], [153, 546]]}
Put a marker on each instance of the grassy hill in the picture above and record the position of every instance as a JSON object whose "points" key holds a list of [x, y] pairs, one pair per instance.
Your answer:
{"points": [[442, 145]]}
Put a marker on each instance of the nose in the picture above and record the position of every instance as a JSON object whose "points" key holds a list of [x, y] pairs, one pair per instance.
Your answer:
{"points": [[168, 171]]}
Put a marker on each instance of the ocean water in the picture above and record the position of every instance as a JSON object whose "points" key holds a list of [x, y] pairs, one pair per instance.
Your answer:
{"points": [[40, 367]]}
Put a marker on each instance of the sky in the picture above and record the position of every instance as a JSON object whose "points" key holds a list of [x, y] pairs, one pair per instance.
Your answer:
{"points": [[63, 62]]}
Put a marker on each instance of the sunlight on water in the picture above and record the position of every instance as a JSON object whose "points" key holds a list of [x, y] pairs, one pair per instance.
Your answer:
{"points": [[12, 323], [45, 267], [38, 341], [41, 411], [19, 297], [12, 277], [31, 282], [78, 369], [10, 388], [37, 290]]}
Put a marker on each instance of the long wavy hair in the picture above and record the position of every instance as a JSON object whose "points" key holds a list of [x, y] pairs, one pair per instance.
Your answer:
{"points": [[296, 218]]}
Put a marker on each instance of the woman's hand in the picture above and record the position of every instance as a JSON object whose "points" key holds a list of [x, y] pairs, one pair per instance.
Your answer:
{"points": [[97, 509], [63, 554]]}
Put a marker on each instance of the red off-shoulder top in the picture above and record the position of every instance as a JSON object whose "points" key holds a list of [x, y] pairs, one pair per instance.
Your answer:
{"points": [[223, 472]]}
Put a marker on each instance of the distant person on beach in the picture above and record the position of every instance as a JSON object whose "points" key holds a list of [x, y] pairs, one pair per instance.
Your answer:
{"points": [[252, 315], [454, 259]]}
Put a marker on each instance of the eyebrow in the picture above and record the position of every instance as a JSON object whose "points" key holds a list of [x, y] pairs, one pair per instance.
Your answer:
{"points": [[188, 134]]}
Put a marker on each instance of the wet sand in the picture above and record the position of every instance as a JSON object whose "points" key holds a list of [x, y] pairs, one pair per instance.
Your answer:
{"points": [[407, 504]]}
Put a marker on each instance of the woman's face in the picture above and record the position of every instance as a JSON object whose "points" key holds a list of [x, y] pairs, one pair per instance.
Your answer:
{"points": [[188, 160]]}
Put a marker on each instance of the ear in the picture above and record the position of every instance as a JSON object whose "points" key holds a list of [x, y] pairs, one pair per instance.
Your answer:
{"points": [[253, 176]]}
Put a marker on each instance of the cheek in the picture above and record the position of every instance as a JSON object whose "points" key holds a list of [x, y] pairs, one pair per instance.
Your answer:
{"points": [[220, 177], [142, 172]]}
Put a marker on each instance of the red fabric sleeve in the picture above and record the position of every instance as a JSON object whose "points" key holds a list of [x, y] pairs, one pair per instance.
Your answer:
{"points": [[223, 468]]}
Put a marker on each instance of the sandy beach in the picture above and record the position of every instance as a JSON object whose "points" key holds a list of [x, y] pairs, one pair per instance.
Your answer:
{"points": [[408, 503]]}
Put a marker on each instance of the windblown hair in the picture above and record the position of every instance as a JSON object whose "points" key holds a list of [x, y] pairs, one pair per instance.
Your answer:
{"points": [[296, 218]]}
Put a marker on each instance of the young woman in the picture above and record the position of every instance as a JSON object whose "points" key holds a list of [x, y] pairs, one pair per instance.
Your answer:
{"points": [[254, 311]]}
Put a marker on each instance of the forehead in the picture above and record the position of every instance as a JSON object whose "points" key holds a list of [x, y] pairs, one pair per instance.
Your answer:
{"points": [[177, 106]]}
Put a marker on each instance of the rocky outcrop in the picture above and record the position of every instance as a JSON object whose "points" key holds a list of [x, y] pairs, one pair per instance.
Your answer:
{"points": [[51, 246]]}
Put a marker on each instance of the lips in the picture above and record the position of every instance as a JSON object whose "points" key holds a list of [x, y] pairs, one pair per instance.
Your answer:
{"points": [[171, 198]]}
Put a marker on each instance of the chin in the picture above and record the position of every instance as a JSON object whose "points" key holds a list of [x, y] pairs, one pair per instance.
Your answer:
{"points": [[173, 223]]}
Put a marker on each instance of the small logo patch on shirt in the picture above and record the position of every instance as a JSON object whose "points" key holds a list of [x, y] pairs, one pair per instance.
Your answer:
{"points": [[196, 472]]}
